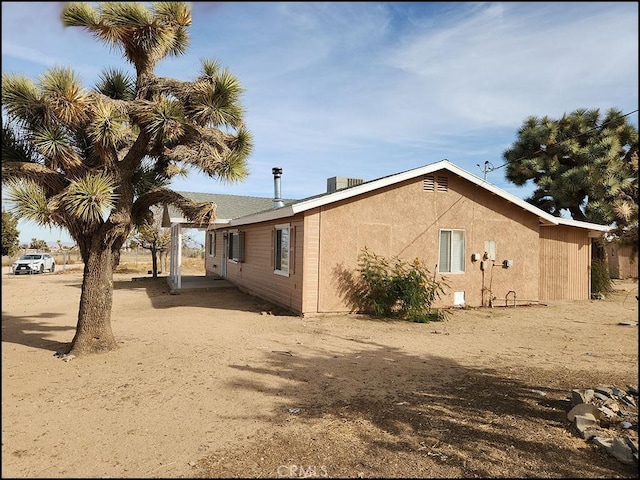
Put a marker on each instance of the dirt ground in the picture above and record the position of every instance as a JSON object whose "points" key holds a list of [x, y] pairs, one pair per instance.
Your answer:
{"points": [[216, 383]]}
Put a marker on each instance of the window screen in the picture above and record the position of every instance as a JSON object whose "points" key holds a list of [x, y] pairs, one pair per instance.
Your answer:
{"points": [[282, 249], [451, 256]]}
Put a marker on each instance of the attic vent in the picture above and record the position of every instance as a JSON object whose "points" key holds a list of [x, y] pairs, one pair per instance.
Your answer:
{"points": [[338, 183], [443, 184], [428, 183]]}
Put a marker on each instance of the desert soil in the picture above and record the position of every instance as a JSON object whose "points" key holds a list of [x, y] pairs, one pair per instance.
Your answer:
{"points": [[216, 383]]}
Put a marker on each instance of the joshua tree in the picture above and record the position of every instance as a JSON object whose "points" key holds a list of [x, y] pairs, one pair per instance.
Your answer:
{"points": [[584, 163], [153, 237], [95, 162]]}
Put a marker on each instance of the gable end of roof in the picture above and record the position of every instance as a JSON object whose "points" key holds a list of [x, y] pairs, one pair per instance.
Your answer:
{"points": [[371, 185]]}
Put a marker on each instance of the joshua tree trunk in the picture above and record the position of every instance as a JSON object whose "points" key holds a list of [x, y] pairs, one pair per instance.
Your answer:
{"points": [[163, 260], [154, 261], [93, 332]]}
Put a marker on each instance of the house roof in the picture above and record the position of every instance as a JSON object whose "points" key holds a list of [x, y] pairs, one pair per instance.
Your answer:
{"points": [[228, 207], [297, 206]]}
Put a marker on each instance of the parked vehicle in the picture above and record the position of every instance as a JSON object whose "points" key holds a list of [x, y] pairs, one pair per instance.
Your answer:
{"points": [[34, 263]]}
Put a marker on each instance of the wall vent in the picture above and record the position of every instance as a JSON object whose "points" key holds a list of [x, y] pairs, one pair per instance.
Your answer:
{"points": [[432, 184], [338, 183], [428, 183]]}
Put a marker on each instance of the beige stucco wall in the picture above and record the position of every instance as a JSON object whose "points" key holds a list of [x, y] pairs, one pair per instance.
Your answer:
{"points": [[404, 221]]}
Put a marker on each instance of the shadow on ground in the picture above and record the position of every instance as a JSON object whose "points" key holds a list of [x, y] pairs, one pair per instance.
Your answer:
{"points": [[381, 412], [32, 331], [159, 292]]}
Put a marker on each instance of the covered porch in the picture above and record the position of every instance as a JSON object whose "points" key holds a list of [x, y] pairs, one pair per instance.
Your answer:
{"points": [[196, 282], [177, 281]]}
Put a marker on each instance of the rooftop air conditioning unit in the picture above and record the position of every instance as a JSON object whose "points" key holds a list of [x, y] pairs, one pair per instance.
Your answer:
{"points": [[338, 183]]}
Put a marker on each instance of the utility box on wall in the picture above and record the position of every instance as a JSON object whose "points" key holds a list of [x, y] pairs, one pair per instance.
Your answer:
{"points": [[458, 299], [490, 249]]}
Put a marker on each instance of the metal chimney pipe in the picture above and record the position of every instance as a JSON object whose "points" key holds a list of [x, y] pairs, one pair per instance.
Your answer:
{"points": [[277, 200]]}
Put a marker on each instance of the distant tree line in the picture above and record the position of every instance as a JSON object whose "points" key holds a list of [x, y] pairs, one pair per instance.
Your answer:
{"points": [[11, 237], [10, 233]]}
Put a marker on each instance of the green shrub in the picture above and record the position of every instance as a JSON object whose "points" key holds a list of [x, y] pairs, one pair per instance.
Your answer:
{"points": [[395, 288]]}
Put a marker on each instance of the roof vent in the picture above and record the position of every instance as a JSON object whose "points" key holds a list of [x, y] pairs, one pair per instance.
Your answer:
{"points": [[338, 183]]}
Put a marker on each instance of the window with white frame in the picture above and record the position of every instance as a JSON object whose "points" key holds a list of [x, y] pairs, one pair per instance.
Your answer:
{"points": [[236, 246], [212, 244], [282, 249], [451, 251]]}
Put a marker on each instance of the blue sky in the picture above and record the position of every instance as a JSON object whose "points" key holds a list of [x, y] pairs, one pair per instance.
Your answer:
{"points": [[368, 89]]}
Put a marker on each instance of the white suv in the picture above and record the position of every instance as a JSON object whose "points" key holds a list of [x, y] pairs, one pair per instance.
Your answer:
{"points": [[34, 263]]}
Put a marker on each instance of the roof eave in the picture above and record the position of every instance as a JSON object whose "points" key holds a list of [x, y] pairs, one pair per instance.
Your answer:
{"points": [[275, 214], [304, 205]]}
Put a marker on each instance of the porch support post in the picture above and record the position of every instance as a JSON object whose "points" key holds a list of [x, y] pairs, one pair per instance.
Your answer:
{"points": [[175, 260]]}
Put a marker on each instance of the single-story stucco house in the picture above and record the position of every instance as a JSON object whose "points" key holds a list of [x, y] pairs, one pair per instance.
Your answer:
{"points": [[490, 246]]}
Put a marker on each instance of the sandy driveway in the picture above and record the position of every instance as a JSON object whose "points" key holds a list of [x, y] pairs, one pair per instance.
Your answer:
{"points": [[216, 383]]}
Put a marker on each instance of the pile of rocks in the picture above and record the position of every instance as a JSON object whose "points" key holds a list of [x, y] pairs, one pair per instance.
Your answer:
{"points": [[608, 417]]}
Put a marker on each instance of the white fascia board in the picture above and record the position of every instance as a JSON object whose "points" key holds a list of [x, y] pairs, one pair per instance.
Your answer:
{"points": [[588, 225], [594, 230], [284, 212], [219, 223], [544, 216], [184, 222], [427, 169], [305, 205], [275, 214]]}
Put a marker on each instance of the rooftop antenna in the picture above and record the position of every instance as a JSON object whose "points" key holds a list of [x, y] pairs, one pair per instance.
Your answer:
{"points": [[488, 167]]}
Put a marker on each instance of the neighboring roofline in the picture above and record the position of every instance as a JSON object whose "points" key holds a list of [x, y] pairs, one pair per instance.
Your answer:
{"points": [[325, 199]]}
